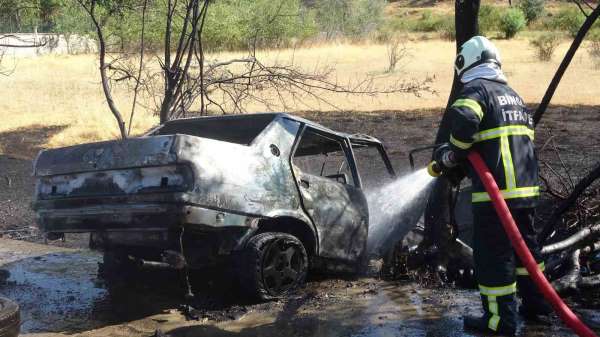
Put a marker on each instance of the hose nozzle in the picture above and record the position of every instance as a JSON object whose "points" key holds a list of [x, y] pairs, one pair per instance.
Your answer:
{"points": [[434, 169]]}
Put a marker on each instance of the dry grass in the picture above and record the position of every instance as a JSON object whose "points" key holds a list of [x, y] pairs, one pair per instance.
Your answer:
{"points": [[65, 90], [60, 91]]}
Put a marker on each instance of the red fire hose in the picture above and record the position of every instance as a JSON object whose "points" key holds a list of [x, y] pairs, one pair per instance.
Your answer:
{"points": [[523, 252]]}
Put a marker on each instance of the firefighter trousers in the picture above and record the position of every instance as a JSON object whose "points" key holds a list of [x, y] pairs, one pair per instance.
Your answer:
{"points": [[498, 270]]}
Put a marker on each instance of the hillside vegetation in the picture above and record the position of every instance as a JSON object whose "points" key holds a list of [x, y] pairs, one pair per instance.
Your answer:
{"points": [[231, 24]]}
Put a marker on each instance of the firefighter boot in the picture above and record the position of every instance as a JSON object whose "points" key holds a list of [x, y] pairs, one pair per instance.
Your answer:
{"points": [[499, 318], [480, 325], [533, 304]]}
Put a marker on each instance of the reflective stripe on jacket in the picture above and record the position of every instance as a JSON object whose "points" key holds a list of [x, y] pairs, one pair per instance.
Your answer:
{"points": [[492, 119]]}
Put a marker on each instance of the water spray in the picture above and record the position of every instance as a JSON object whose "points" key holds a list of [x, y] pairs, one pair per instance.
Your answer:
{"points": [[395, 208]]}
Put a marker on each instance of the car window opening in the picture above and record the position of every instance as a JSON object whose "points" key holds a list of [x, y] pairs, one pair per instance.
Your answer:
{"points": [[238, 129], [321, 156]]}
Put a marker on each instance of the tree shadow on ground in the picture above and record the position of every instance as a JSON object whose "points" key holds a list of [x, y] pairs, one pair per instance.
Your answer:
{"points": [[26, 142], [17, 149]]}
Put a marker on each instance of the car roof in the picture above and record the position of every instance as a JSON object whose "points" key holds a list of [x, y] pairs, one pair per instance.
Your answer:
{"points": [[360, 138]]}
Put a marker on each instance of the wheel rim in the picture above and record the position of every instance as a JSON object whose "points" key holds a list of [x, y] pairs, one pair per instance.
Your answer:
{"points": [[282, 266]]}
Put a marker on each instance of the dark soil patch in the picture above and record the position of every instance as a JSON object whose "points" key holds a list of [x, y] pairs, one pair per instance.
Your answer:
{"points": [[16, 191], [27, 142]]}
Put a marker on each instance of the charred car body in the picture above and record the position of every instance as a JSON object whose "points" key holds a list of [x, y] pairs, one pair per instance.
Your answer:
{"points": [[269, 193]]}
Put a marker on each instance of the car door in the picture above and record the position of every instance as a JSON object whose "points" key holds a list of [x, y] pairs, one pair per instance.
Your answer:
{"points": [[331, 195], [386, 226]]}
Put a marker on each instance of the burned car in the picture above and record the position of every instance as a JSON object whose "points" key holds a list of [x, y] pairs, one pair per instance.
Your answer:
{"points": [[270, 194]]}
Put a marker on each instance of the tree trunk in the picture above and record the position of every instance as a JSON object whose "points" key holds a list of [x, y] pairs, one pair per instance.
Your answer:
{"points": [[587, 25], [103, 75], [437, 213]]}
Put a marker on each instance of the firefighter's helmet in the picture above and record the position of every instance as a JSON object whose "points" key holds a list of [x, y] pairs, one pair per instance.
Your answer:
{"points": [[477, 50]]}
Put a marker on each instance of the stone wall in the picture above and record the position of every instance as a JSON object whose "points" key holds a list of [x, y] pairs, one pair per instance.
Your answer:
{"points": [[48, 44]]}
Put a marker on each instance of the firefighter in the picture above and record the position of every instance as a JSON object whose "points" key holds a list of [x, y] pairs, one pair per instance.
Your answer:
{"points": [[489, 117]]}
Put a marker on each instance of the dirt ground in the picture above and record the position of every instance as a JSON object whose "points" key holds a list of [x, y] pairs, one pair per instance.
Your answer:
{"points": [[61, 294]]}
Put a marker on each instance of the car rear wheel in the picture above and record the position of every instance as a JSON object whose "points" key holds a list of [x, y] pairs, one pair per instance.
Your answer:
{"points": [[10, 319], [275, 264]]}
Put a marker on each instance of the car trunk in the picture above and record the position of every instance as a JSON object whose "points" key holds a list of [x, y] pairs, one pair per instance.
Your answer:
{"points": [[110, 155], [109, 185]]}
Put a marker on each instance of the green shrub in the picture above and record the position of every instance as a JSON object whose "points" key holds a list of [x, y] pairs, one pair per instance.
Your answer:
{"points": [[567, 19], [428, 22], [230, 24], [365, 17], [532, 9], [512, 21], [27, 15], [331, 16], [447, 28], [348, 17], [233, 24], [122, 29], [545, 45], [395, 24], [489, 16]]}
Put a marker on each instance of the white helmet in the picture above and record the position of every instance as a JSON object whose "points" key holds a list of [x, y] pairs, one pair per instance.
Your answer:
{"points": [[475, 51]]}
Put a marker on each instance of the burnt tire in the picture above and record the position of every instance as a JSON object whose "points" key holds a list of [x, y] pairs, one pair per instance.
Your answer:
{"points": [[114, 264], [273, 265], [10, 318], [118, 269]]}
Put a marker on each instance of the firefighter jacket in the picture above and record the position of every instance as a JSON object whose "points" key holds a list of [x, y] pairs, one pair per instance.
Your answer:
{"points": [[490, 118]]}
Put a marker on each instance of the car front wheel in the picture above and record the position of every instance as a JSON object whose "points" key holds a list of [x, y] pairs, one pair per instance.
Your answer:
{"points": [[275, 264]]}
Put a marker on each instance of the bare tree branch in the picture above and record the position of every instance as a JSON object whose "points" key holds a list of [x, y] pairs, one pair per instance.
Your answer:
{"points": [[572, 240], [90, 8], [136, 89], [573, 277], [581, 186], [185, 80]]}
